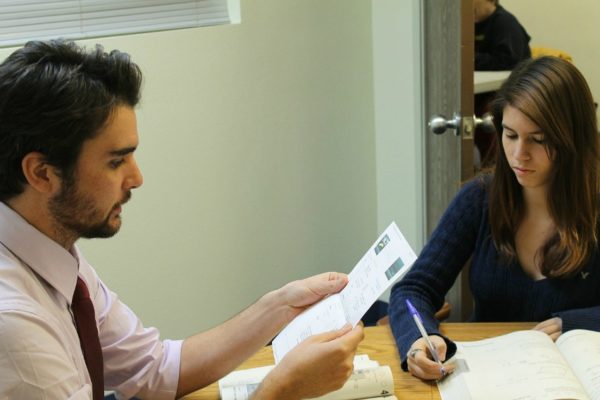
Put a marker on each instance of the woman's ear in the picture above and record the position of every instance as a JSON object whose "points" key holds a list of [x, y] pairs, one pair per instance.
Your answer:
{"points": [[40, 175]]}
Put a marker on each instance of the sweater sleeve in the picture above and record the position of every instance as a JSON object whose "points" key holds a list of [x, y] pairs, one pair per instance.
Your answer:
{"points": [[580, 318], [433, 274]]}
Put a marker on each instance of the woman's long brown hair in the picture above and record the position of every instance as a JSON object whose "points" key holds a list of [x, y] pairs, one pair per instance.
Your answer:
{"points": [[553, 94]]}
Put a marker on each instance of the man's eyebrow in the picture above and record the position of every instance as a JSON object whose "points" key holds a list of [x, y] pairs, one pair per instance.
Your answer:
{"points": [[123, 152]]}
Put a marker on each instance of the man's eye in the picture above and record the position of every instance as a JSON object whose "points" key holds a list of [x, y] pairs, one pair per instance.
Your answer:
{"points": [[116, 163]]}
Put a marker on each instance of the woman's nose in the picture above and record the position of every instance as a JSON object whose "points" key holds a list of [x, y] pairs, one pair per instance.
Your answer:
{"points": [[521, 151]]}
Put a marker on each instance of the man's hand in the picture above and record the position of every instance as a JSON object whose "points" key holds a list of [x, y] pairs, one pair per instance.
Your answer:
{"points": [[318, 365], [552, 326], [420, 362], [302, 293], [210, 355]]}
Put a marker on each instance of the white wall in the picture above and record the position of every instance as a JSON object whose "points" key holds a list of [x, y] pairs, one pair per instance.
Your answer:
{"points": [[399, 120], [258, 148], [258, 153], [568, 26]]}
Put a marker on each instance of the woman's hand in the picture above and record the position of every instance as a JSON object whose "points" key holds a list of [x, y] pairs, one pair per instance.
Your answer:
{"points": [[552, 326], [421, 363]]}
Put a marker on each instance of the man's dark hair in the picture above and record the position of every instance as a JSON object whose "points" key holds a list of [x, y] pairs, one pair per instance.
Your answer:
{"points": [[54, 95]]}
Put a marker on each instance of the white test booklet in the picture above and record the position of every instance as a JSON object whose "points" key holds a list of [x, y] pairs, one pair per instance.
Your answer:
{"points": [[387, 260], [526, 365], [369, 380]]}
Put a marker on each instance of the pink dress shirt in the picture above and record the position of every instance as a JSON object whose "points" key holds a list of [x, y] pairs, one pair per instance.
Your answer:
{"points": [[40, 355]]}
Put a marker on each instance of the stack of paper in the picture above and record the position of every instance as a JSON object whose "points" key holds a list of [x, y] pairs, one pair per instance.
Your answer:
{"points": [[369, 380]]}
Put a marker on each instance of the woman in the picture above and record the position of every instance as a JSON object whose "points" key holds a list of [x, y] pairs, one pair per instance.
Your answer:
{"points": [[530, 227]]}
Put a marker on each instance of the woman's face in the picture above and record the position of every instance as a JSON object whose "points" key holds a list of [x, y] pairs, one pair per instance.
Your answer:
{"points": [[525, 148]]}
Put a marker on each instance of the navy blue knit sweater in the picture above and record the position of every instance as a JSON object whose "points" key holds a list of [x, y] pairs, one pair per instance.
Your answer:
{"points": [[501, 292]]}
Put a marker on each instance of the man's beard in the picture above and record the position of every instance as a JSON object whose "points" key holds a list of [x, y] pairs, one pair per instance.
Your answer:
{"points": [[76, 214]]}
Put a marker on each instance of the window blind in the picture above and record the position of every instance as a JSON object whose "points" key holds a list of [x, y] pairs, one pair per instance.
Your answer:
{"points": [[24, 20]]}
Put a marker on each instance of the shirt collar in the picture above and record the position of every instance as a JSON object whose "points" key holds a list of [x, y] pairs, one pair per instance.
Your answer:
{"points": [[57, 266]]}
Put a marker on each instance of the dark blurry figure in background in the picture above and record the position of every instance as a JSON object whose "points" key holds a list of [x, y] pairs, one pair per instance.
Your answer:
{"points": [[500, 40]]}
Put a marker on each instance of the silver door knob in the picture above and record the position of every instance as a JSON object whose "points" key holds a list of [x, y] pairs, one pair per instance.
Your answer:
{"points": [[439, 124], [462, 126], [486, 122]]}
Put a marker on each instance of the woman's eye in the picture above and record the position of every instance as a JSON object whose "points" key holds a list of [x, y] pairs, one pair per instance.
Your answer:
{"points": [[539, 140]]}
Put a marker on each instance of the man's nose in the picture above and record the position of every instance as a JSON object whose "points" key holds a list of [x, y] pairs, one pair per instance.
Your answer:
{"points": [[135, 178]]}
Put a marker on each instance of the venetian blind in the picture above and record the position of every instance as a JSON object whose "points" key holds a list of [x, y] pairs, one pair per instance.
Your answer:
{"points": [[23, 20]]}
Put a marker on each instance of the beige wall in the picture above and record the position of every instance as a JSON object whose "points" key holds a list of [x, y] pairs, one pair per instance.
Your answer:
{"points": [[399, 121], [565, 25], [258, 148]]}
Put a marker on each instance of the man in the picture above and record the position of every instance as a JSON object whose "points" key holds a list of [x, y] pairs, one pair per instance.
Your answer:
{"points": [[67, 140], [500, 40]]}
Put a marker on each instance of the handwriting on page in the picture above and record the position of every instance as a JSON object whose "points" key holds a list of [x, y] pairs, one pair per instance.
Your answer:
{"points": [[326, 315], [581, 348], [388, 259], [506, 367]]}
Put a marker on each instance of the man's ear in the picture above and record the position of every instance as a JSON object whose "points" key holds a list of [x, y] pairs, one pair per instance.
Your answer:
{"points": [[40, 175]]}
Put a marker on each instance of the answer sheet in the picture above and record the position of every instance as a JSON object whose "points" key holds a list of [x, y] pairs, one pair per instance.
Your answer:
{"points": [[522, 365], [388, 259]]}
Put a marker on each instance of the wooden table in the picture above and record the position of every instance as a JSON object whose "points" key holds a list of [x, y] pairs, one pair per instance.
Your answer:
{"points": [[380, 346]]}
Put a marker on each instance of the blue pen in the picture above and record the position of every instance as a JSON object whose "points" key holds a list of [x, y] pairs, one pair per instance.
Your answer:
{"points": [[424, 334]]}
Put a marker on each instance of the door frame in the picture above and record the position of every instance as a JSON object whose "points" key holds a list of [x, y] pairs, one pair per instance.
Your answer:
{"points": [[448, 63]]}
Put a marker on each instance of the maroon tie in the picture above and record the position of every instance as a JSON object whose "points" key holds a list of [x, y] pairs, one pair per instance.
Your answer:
{"points": [[85, 321]]}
